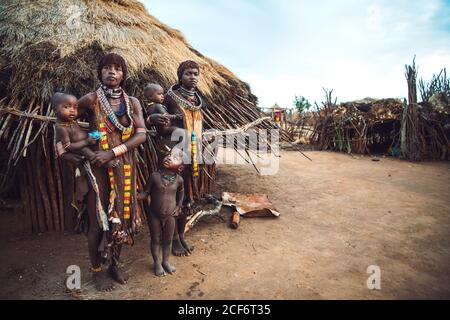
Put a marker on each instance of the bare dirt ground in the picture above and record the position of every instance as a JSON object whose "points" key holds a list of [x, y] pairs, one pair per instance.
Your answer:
{"points": [[340, 214]]}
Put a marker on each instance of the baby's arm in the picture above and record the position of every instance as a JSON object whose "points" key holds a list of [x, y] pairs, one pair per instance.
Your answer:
{"points": [[157, 109], [160, 109], [62, 140], [82, 147], [168, 128], [157, 115]]}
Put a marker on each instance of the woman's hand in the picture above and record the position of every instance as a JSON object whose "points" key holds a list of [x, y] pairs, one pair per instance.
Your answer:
{"points": [[72, 157], [102, 157], [158, 119]]}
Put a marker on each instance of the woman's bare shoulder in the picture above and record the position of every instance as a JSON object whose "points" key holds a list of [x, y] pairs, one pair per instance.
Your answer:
{"points": [[135, 101], [88, 100]]}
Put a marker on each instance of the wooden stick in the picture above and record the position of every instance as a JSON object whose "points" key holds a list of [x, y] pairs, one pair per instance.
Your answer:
{"points": [[60, 192], [37, 117], [35, 191], [235, 220], [24, 194], [43, 191], [5, 124], [52, 192]]}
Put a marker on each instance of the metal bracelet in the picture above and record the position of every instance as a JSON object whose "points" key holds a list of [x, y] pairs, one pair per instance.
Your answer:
{"points": [[120, 150], [141, 130]]}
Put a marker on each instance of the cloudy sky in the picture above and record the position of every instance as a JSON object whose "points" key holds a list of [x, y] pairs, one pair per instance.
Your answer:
{"points": [[284, 48]]}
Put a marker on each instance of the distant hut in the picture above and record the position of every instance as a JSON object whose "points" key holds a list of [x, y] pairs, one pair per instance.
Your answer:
{"points": [[56, 45], [409, 129], [279, 115], [367, 126]]}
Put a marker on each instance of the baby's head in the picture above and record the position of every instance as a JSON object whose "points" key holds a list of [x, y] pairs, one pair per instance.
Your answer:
{"points": [[154, 92], [65, 106], [174, 161]]}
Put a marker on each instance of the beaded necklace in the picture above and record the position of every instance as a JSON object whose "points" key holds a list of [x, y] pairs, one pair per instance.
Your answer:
{"points": [[167, 180], [106, 106], [184, 102], [104, 128]]}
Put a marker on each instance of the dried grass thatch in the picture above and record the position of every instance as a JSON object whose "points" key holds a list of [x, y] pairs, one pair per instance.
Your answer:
{"points": [[42, 50], [413, 130], [54, 45], [362, 126]]}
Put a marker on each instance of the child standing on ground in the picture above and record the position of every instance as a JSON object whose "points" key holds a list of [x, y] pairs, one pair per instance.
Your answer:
{"points": [[165, 188]]}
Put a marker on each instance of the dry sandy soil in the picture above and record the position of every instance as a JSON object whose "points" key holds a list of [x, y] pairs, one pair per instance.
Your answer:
{"points": [[340, 214]]}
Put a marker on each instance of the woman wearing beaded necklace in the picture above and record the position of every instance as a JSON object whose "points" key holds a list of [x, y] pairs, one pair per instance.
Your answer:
{"points": [[120, 122], [183, 99]]}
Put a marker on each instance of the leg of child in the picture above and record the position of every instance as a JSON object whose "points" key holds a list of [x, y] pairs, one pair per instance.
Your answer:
{"points": [[168, 230], [155, 237]]}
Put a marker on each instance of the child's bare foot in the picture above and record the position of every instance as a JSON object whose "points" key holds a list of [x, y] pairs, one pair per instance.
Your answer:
{"points": [[178, 249], [168, 267], [102, 282], [159, 270], [118, 275]]}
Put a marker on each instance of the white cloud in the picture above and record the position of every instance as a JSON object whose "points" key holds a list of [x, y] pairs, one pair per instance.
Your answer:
{"points": [[374, 19], [283, 48]]}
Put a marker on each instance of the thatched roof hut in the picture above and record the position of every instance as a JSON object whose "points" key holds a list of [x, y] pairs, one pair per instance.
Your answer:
{"points": [[362, 126], [53, 45]]}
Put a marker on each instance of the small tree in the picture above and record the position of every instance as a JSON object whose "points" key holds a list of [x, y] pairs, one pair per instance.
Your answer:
{"points": [[301, 104]]}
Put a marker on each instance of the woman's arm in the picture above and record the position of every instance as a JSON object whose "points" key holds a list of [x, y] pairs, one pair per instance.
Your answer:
{"points": [[63, 143], [64, 146], [85, 103], [158, 115], [140, 131], [79, 145]]}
